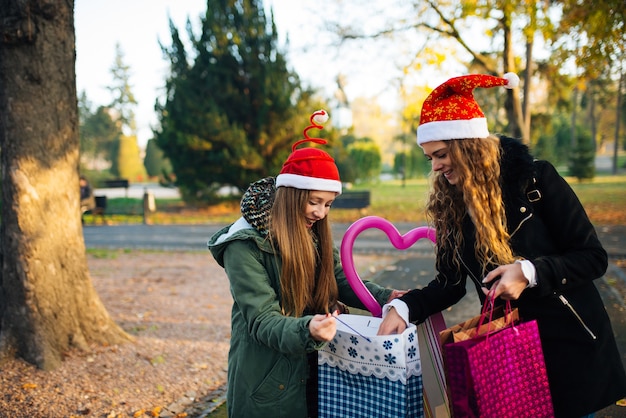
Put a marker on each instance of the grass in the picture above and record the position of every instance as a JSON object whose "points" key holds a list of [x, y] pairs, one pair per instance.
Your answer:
{"points": [[604, 198]]}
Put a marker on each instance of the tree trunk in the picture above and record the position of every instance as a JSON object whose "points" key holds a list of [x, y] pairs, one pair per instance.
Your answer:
{"points": [[526, 133], [592, 92], [618, 110], [512, 104], [574, 119], [47, 301]]}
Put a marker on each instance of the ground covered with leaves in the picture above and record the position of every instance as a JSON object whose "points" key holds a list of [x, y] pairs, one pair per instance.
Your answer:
{"points": [[177, 307]]}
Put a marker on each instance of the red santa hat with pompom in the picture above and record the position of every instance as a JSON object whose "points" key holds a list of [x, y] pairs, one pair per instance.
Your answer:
{"points": [[450, 111], [310, 168]]}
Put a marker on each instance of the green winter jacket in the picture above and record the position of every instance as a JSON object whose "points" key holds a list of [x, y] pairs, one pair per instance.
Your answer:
{"points": [[267, 361]]}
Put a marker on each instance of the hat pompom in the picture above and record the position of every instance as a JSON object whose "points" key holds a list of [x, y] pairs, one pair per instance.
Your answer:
{"points": [[512, 80], [321, 116]]}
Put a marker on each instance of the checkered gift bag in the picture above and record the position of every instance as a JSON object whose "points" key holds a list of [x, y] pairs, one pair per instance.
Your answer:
{"points": [[362, 375]]}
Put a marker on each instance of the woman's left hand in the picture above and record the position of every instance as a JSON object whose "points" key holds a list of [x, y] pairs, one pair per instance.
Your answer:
{"points": [[396, 294], [508, 282], [323, 327]]}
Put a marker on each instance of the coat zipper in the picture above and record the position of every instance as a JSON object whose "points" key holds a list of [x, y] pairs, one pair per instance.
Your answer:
{"points": [[564, 301], [571, 308]]}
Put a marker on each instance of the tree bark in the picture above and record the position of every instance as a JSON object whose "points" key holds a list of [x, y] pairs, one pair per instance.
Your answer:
{"points": [[526, 133], [47, 301], [618, 110], [512, 104]]}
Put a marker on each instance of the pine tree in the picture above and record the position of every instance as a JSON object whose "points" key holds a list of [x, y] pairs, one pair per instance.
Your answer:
{"points": [[228, 118], [582, 157], [366, 158], [99, 136], [129, 165], [127, 155], [155, 163], [124, 100]]}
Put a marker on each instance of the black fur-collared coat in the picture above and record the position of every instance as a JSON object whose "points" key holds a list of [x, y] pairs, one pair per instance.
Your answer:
{"points": [[549, 227]]}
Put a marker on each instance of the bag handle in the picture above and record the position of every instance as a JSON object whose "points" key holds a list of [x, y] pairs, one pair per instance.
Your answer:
{"points": [[488, 308]]}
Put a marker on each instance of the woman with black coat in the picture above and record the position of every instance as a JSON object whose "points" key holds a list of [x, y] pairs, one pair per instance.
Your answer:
{"points": [[514, 226]]}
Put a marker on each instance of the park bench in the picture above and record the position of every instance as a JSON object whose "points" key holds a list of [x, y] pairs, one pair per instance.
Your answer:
{"points": [[117, 184], [101, 206], [101, 201], [147, 208], [352, 200]]}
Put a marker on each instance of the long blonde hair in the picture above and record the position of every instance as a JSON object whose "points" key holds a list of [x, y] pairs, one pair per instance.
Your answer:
{"points": [[307, 278], [478, 194]]}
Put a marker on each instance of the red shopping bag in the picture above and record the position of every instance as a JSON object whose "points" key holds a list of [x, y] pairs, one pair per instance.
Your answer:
{"points": [[499, 374]]}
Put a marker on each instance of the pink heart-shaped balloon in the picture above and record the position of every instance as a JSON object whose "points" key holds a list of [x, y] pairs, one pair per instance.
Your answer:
{"points": [[401, 242]]}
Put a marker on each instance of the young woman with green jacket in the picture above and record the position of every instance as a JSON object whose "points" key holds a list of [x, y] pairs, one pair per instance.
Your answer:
{"points": [[287, 283]]}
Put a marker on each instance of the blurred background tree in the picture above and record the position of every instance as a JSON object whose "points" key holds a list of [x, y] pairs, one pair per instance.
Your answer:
{"points": [[108, 135], [365, 157], [99, 136], [127, 162], [157, 166], [233, 107]]}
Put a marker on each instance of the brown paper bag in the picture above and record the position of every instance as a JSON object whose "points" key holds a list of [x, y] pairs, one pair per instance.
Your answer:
{"points": [[468, 329]]}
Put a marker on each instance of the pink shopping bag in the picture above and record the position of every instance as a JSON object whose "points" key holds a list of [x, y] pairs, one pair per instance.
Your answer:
{"points": [[500, 374]]}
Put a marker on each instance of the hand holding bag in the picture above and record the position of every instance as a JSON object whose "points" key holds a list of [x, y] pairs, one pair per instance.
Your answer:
{"points": [[498, 319], [499, 373]]}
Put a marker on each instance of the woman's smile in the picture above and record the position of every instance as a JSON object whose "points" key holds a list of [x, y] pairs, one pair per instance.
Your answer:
{"points": [[318, 206], [437, 153]]}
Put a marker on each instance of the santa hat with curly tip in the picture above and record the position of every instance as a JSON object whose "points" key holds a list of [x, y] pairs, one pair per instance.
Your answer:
{"points": [[310, 168], [450, 111]]}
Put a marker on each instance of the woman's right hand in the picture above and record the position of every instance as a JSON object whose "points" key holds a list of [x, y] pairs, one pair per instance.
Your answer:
{"points": [[392, 324], [323, 327]]}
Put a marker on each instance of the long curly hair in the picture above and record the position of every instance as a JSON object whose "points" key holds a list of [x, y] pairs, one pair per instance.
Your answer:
{"points": [[478, 194], [307, 278]]}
